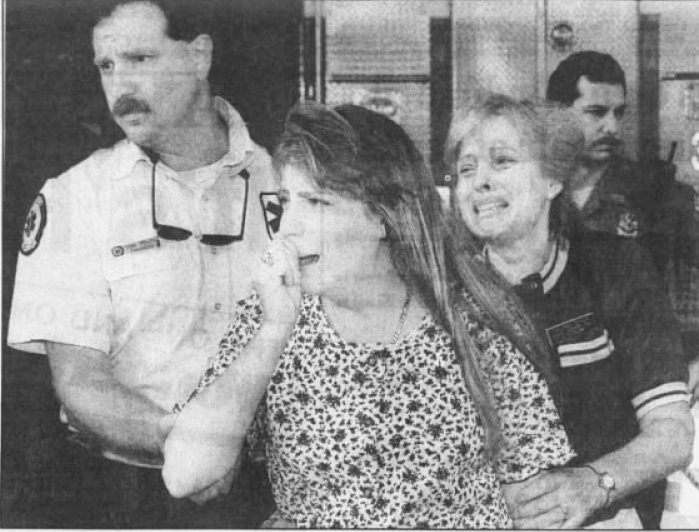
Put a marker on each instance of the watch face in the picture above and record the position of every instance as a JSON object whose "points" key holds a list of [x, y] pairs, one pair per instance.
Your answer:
{"points": [[607, 481]]}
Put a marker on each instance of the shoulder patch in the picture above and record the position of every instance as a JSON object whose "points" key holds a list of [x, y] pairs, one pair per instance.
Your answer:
{"points": [[272, 209], [627, 224], [34, 226]]}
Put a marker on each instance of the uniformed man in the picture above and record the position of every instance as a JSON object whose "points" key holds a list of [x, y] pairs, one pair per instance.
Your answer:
{"points": [[132, 261], [619, 196]]}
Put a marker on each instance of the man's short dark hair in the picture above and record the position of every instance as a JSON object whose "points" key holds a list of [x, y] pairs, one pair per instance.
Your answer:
{"points": [[185, 19], [595, 66]]}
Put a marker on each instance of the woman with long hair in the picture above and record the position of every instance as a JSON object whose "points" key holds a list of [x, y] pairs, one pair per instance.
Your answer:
{"points": [[389, 395]]}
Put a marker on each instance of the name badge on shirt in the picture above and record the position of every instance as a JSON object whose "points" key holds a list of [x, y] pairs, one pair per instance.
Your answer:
{"points": [[141, 245], [581, 340]]}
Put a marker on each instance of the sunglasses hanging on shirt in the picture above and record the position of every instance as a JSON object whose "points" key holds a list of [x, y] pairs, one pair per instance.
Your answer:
{"points": [[170, 232]]}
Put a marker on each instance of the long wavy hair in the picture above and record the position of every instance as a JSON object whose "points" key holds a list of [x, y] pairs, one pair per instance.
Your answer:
{"points": [[364, 155]]}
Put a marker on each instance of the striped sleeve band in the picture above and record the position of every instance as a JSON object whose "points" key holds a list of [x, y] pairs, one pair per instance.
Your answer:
{"points": [[664, 394]]}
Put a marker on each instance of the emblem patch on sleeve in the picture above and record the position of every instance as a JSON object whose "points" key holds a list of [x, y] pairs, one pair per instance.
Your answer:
{"points": [[272, 209], [627, 225], [34, 226]]}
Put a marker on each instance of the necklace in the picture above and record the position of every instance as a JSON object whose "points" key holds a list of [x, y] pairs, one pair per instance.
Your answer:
{"points": [[401, 319], [403, 316]]}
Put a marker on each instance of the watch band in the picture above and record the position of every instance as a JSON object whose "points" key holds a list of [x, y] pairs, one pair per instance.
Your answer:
{"points": [[604, 481]]}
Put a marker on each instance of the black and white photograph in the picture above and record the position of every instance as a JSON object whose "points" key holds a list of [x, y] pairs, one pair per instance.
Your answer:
{"points": [[427, 264]]}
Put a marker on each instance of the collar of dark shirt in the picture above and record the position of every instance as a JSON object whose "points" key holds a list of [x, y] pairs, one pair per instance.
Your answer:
{"points": [[617, 183]]}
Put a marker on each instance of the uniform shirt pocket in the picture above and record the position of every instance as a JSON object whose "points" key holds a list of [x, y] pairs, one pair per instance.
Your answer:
{"points": [[581, 340], [163, 275], [124, 262]]}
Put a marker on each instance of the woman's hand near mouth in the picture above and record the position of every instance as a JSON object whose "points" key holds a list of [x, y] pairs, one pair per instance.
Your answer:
{"points": [[278, 283]]}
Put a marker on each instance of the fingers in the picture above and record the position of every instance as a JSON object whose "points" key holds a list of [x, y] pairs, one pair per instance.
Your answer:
{"points": [[557, 517], [278, 283], [280, 264], [202, 497], [556, 499], [218, 488], [536, 507], [542, 495], [574, 522], [542, 484], [552, 518], [292, 272], [207, 494]]}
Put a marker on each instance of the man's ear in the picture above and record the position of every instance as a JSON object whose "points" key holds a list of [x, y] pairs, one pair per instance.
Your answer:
{"points": [[203, 49]]}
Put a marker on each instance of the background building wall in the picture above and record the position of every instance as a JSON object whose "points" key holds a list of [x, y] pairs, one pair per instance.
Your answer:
{"points": [[505, 46], [678, 70], [382, 48]]}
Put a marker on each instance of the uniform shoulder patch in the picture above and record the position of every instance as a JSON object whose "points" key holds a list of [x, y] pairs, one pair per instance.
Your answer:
{"points": [[627, 224], [272, 210], [34, 226]]}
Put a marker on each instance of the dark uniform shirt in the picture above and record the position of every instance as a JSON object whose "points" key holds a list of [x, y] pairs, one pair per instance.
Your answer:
{"points": [[646, 203], [615, 338]]}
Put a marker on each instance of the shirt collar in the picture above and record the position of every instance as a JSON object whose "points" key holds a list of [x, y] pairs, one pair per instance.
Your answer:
{"points": [[555, 265], [240, 145], [611, 187], [548, 276], [241, 149]]}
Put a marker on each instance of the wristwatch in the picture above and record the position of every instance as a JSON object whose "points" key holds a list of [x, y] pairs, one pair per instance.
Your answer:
{"points": [[604, 481]]}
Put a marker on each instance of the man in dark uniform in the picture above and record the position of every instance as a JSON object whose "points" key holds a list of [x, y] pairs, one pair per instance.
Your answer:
{"points": [[619, 196]]}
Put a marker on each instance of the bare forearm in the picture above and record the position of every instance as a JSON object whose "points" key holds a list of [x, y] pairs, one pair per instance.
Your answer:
{"points": [[209, 433], [107, 415], [568, 496], [662, 447], [238, 391], [117, 420]]}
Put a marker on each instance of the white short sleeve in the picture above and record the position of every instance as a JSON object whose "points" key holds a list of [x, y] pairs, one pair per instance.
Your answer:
{"points": [[60, 292]]}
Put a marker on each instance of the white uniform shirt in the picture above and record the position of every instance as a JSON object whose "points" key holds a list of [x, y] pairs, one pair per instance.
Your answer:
{"points": [[91, 273]]}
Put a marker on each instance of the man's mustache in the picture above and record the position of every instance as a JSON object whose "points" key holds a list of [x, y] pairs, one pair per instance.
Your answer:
{"points": [[609, 141], [127, 105]]}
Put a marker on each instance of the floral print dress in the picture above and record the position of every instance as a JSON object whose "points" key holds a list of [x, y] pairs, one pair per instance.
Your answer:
{"points": [[377, 435]]}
